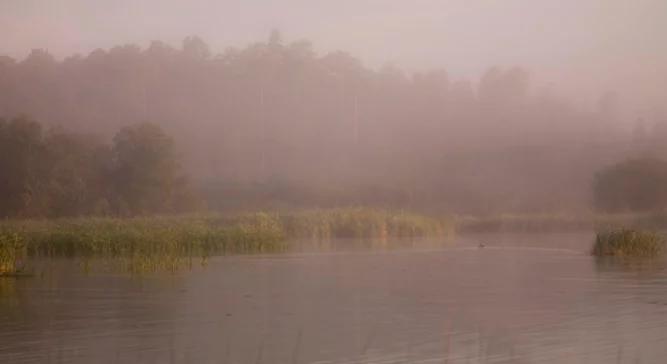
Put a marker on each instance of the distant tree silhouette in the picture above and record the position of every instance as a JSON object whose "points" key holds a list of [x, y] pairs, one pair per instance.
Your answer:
{"points": [[633, 185], [144, 169], [195, 47], [59, 173], [21, 163], [278, 110]]}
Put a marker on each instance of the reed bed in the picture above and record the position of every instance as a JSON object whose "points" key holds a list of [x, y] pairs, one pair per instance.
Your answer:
{"points": [[12, 253], [629, 243], [167, 243], [363, 223], [138, 244]]}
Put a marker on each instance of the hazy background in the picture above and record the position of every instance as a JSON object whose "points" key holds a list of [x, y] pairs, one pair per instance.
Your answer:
{"points": [[458, 106], [582, 46]]}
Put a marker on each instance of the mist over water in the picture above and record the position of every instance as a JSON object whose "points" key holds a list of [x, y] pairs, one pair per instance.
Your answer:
{"points": [[352, 181]]}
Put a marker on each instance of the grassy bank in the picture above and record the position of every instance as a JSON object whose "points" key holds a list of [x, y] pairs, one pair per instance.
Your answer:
{"points": [[141, 244], [629, 243]]}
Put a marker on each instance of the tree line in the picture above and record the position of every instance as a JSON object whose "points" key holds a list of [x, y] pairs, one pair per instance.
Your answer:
{"points": [[278, 116], [51, 172]]}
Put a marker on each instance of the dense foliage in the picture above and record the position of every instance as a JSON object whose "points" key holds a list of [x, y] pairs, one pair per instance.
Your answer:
{"points": [[277, 121], [632, 185], [52, 173]]}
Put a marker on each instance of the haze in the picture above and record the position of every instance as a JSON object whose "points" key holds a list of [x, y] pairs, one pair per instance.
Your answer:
{"points": [[333, 181], [590, 46], [458, 106]]}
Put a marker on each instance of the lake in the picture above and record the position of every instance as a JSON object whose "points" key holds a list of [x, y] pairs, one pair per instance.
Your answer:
{"points": [[521, 298]]}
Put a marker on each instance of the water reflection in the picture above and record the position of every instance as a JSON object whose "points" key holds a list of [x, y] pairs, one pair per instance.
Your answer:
{"points": [[520, 299]]}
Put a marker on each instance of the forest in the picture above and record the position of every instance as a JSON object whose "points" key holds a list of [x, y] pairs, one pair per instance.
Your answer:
{"points": [[56, 173], [133, 130]]}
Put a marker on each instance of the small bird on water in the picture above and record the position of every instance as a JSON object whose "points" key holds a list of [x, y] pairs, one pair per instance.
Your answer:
{"points": [[481, 245]]}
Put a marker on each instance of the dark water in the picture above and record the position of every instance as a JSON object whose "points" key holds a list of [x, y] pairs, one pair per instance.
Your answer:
{"points": [[521, 299]]}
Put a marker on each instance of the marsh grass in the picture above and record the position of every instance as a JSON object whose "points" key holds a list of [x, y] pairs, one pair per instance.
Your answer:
{"points": [[363, 223], [629, 243], [141, 244], [12, 253], [170, 243]]}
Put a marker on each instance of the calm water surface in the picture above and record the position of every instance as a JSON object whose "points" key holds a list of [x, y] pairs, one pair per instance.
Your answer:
{"points": [[521, 299]]}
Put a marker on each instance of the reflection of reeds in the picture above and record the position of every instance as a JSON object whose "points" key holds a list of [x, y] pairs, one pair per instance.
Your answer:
{"points": [[7, 289], [629, 243]]}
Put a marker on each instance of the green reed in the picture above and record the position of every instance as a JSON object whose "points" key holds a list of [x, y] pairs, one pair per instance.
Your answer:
{"points": [[629, 243], [12, 252], [168, 243], [363, 223], [142, 243]]}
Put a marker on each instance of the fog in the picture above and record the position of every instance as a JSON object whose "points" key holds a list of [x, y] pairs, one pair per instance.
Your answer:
{"points": [[591, 44], [333, 181], [449, 106]]}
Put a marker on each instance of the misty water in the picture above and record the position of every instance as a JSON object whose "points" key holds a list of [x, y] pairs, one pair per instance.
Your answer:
{"points": [[531, 298]]}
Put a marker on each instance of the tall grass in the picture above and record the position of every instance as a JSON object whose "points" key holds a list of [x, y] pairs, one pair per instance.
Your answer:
{"points": [[12, 252], [157, 243], [139, 244], [629, 243], [363, 223]]}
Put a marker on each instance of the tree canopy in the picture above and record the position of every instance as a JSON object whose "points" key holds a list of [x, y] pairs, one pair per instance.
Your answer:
{"points": [[58, 173], [632, 185], [277, 110]]}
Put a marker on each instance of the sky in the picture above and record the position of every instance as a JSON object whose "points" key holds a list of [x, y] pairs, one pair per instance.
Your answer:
{"points": [[585, 46]]}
